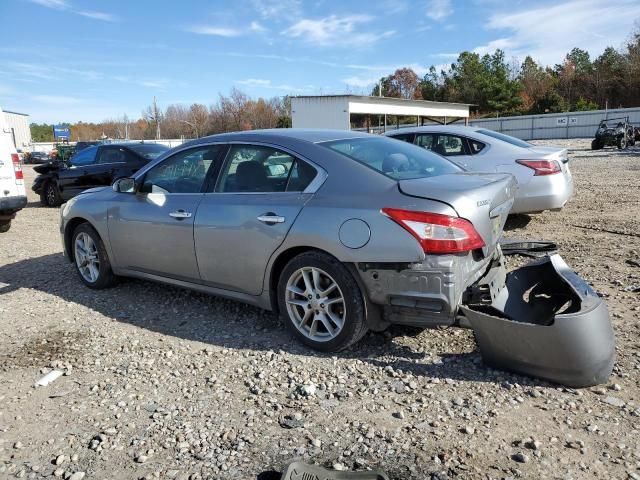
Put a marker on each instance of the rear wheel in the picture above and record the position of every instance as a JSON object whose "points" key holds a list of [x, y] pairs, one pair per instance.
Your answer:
{"points": [[50, 196], [5, 226], [90, 257], [321, 302]]}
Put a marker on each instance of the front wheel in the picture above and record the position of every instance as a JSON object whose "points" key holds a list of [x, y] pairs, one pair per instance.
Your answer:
{"points": [[90, 257], [321, 302], [622, 143]]}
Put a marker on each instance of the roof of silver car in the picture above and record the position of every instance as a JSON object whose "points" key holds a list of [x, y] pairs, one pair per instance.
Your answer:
{"points": [[313, 135], [461, 129]]}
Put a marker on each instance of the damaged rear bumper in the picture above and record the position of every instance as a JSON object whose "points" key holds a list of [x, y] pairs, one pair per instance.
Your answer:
{"points": [[543, 321]]}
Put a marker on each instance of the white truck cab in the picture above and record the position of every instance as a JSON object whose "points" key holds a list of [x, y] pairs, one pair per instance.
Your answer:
{"points": [[12, 193]]}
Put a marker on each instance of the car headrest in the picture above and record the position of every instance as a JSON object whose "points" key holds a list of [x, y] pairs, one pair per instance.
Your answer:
{"points": [[395, 162], [250, 176], [439, 149]]}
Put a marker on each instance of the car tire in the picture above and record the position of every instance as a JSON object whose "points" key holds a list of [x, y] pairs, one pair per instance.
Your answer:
{"points": [[90, 258], [622, 143], [329, 327], [50, 196], [5, 226]]}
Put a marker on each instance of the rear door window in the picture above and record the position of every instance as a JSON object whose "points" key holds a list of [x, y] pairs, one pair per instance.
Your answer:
{"points": [[84, 157], [449, 145], [112, 155], [262, 169]]}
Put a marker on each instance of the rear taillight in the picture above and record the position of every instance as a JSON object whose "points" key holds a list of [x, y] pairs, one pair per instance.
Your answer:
{"points": [[437, 233], [542, 167], [17, 167]]}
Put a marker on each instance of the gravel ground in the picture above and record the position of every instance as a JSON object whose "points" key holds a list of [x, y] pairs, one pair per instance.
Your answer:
{"points": [[164, 383]]}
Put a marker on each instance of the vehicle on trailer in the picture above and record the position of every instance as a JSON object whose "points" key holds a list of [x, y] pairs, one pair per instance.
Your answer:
{"points": [[614, 132], [341, 232], [543, 175], [12, 193], [59, 181]]}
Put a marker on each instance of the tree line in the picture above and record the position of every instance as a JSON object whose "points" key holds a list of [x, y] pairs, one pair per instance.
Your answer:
{"points": [[236, 111], [498, 86]]}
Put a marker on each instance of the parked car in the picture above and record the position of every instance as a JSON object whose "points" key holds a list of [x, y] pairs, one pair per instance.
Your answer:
{"points": [[544, 179], [340, 232], [92, 167], [12, 193], [620, 135], [38, 157], [82, 145]]}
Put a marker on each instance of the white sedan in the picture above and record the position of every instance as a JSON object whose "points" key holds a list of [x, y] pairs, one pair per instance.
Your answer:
{"points": [[543, 175]]}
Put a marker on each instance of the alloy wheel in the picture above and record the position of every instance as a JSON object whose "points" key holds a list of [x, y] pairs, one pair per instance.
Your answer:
{"points": [[86, 255], [315, 304], [51, 195]]}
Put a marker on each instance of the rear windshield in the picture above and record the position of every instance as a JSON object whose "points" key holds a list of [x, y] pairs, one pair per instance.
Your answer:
{"points": [[150, 151], [506, 138], [397, 160]]}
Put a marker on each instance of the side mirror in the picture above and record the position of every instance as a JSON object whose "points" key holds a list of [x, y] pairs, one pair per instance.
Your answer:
{"points": [[124, 185]]}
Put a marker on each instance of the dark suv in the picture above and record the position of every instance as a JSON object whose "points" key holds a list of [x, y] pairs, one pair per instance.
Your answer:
{"points": [[95, 166]]}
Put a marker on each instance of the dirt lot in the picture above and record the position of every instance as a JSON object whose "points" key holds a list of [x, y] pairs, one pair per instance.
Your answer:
{"points": [[165, 383]]}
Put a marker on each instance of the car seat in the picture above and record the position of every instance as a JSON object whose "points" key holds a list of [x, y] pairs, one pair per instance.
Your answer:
{"points": [[251, 176]]}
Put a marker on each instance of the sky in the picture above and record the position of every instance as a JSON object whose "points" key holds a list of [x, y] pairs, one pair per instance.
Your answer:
{"points": [[90, 60]]}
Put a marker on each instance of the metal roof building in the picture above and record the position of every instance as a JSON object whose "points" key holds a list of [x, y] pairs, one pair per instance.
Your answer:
{"points": [[18, 125], [337, 111]]}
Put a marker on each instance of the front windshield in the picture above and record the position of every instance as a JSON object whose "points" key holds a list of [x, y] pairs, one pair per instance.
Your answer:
{"points": [[394, 158], [506, 138], [150, 151]]}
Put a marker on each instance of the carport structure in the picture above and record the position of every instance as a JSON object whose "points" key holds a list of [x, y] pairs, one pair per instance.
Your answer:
{"points": [[339, 111]]}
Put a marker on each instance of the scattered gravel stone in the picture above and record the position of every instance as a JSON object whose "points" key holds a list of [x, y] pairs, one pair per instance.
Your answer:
{"points": [[520, 457]]}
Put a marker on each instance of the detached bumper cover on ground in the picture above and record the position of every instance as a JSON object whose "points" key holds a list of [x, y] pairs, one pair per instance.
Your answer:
{"points": [[545, 322]]}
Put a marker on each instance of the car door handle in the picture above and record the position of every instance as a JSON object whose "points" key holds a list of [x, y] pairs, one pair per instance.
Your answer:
{"points": [[271, 218], [180, 214]]}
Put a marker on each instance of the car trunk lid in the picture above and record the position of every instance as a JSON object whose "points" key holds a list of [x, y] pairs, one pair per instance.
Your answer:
{"points": [[483, 199]]}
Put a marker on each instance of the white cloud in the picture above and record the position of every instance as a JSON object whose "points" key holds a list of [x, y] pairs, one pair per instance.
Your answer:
{"points": [[215, 31], [55, 99], [257, 27], [264, 83], [277, 8], [361, 82], [255, 82], [493, 45], [439, 9], [106, 17], [64, 5], [57, 4], [548, 33], [335, 31]]}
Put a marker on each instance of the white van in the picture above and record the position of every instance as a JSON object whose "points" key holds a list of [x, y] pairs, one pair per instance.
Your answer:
{"points": [[12, 194]]}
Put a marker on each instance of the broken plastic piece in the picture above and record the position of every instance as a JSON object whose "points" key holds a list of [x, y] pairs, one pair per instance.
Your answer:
{"points": [[50, 377], [303, 471], [530, 248], [547, 322]]}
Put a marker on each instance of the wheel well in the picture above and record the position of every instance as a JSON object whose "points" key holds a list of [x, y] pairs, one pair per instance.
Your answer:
{"points": [[277, 268], [68, 232]]}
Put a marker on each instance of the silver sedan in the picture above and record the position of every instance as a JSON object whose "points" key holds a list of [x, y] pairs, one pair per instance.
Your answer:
{"points": [[544, 179], [338, 232]]}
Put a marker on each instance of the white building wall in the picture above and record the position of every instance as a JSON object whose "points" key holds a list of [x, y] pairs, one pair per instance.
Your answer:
{"points": [[18, 125], [320, 112]]}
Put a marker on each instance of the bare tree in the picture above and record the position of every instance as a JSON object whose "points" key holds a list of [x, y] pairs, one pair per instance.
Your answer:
{"points": [[153, 115]]}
